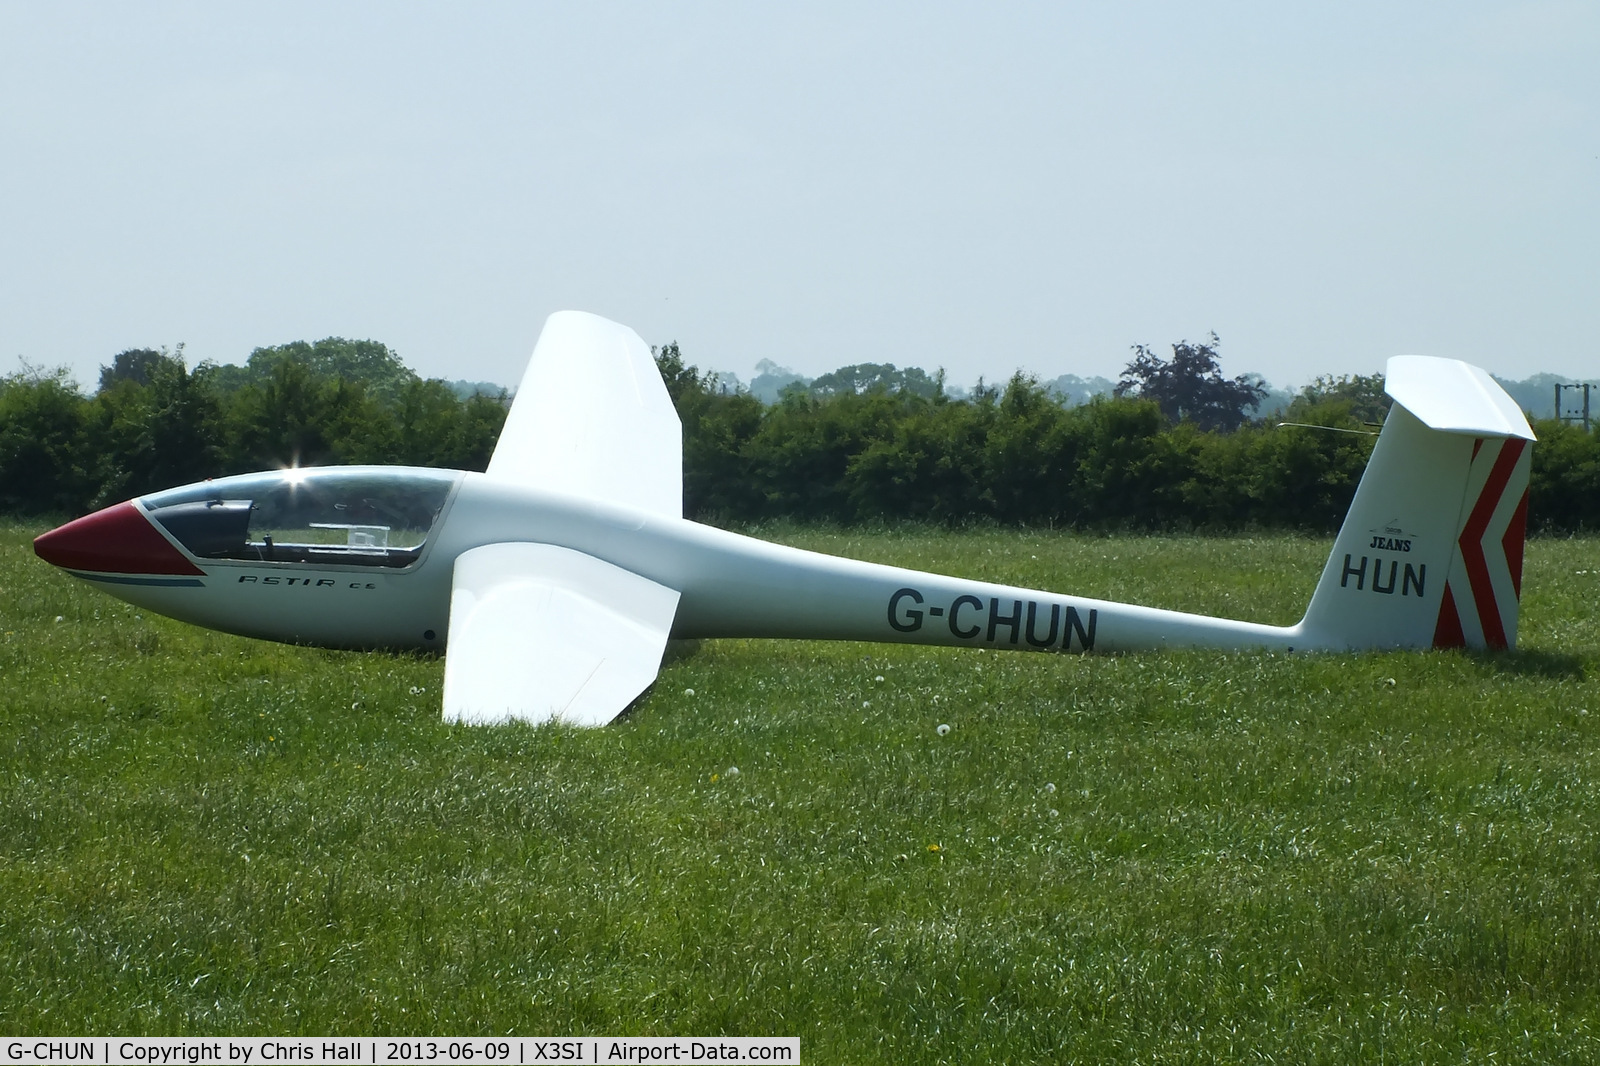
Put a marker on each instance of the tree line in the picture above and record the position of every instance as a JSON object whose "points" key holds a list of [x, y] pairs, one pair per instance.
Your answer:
{"points": [[155, 422], [1172, 450]]}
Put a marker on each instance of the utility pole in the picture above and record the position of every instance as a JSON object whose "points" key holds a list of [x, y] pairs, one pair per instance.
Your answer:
{"points": [[1573, 415]]}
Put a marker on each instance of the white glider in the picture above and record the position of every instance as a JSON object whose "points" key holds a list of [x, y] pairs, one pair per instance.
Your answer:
{"points": [[556, 577]]}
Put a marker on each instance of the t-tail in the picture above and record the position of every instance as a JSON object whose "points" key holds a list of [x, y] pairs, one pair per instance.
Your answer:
{"points": [[1431, 551]]}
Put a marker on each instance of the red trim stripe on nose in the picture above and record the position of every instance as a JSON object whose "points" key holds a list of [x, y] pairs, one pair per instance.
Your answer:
{"points": [[116, 540]]}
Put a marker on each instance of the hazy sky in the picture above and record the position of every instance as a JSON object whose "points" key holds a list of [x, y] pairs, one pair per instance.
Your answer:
{"points": [[979, 187]]}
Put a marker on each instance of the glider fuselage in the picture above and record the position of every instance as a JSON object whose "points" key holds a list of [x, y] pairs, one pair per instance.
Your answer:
{"points": [[372, 596]]}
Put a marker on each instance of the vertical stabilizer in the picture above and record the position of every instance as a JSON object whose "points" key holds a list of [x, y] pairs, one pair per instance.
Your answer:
{"points": [[1431, 551]]}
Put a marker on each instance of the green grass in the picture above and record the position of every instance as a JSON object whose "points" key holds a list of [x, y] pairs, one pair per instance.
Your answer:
{"points": [[1178, 857]]}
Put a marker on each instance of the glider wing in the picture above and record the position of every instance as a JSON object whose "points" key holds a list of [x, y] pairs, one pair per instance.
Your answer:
{"points": [[592, 418], [539, 632]]}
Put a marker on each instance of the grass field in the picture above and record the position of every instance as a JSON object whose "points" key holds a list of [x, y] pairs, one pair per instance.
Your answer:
{"points": [[1161, 858]]}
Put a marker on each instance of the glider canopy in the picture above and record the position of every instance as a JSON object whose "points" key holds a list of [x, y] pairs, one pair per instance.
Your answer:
{"points": [[368, 516]]}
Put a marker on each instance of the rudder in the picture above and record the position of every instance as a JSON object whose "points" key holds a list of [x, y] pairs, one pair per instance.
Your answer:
{"points": [[1483, 592]]}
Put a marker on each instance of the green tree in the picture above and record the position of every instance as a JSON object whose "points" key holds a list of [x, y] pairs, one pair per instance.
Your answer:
{"points": [[163, 432], [42, 444], [866, 377], [1353, 400], [688, 387], [718, 426], [803, 451], [1564, 486], [296, 418], [1269, 476], [930, 464], [1029, 455], [428, 419], [368, 363], [137, 365], [482, 418], [1127, 473]]}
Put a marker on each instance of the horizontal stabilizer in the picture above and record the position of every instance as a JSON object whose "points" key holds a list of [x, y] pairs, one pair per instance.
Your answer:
{"points": [[1454, 397], [539, 633], [593, 418]]}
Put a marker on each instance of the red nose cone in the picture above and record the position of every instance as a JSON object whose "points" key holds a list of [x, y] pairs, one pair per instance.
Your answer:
{"points": [[117, 540]]}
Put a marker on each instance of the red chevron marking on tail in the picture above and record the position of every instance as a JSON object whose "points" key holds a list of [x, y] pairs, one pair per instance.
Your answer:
{"points": [[1471, 541], [1447, 634], [1512, 542]]}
